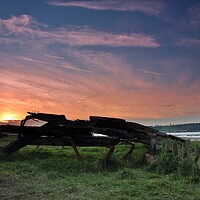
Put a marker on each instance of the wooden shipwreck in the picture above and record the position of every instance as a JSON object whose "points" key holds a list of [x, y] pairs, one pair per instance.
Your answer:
{"points": [[97, 131]]}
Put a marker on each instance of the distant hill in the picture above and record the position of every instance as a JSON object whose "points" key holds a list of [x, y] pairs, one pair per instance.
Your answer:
{"points": [[192, 127]]}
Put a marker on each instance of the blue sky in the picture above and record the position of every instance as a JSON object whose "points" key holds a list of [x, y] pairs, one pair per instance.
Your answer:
{"points": [[137, 60]]}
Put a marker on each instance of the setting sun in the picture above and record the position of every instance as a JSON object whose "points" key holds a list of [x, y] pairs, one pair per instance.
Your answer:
{"points": [[8, 117]]}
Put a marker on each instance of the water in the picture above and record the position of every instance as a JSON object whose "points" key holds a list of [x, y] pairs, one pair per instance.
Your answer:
{"points": [[193, 136]]}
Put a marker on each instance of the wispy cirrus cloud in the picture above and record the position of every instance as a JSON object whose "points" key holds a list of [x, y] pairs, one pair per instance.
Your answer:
{"points": [[25, 28], [194, 15], [67, 66], [149, 72], [23, 24], [90, 37], [191, 42], [148, 7], [129, 77], [56, 57], [15, 24]]}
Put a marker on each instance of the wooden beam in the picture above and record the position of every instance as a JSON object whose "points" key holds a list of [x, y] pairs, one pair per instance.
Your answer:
{"points": [[109, 154], [75, 149], [18, 144], [129, 152]]}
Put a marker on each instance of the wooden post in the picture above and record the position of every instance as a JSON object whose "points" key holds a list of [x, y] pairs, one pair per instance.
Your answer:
{"points": [[75, 149], [175, 148], [129, 152], [197, 154], [109, 154], [184, 150], [166, 146], [152, 145]]}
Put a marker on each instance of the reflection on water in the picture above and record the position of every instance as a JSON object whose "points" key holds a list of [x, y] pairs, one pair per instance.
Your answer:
{"points": [[187, 135]]}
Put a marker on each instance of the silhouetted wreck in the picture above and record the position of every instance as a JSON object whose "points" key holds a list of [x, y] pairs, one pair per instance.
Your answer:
{"points": [[97, 131]]}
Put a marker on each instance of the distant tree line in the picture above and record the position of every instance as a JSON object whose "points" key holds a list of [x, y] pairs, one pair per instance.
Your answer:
{"points": [[191, 127]]}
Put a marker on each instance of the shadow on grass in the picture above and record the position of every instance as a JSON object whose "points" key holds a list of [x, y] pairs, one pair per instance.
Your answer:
{"points": [[57, 162]]}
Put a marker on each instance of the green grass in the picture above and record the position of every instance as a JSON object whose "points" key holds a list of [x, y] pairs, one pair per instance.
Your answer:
{"points": [[55, 173]]}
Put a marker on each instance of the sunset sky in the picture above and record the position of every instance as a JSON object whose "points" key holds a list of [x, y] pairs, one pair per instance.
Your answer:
{"points": [[134, 59]]}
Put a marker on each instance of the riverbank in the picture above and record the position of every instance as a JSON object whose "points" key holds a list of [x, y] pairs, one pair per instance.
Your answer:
{"points": [[192, 136]]}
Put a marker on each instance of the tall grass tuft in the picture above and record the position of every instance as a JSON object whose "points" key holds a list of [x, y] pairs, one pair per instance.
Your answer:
{"points": [[181, 162]]}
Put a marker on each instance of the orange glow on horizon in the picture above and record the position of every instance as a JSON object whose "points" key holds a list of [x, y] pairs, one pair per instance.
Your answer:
{"points": [[6, 117]]}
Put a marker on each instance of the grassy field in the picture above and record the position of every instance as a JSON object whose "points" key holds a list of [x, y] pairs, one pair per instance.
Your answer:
{"points": [[55, 173]]}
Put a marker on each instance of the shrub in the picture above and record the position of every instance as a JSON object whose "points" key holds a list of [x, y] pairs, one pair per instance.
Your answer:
{"points": [[168, 162]]}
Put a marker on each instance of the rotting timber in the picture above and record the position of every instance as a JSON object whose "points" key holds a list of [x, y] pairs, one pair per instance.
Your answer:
{"points": [[97, 131]]}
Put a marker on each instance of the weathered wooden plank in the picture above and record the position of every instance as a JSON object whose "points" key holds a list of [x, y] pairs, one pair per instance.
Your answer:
{"points": [[107, 122], [176, 138], [54, 131], [45, 117], [18, 144], [114, 133], [123, 134], [78, 141]]}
